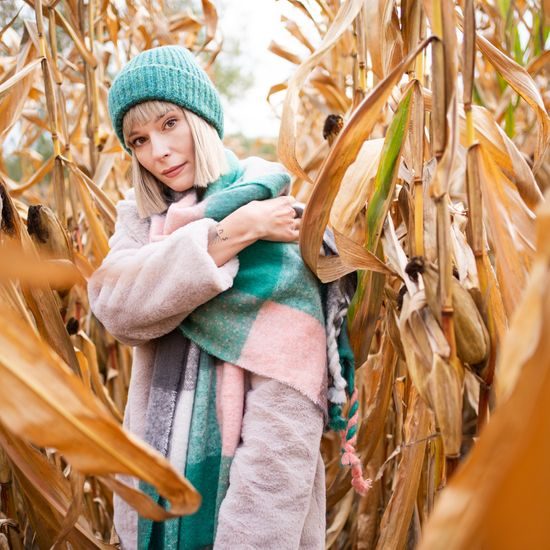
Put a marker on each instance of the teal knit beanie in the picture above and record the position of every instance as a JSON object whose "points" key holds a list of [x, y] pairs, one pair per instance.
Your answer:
{"points": [[167, 73]]}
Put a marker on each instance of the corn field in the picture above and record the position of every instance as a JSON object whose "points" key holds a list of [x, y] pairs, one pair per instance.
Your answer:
{"points": [[419, 132]]}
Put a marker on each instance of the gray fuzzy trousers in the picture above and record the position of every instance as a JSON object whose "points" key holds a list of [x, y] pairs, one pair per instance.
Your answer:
{"points": [[276, 495]]}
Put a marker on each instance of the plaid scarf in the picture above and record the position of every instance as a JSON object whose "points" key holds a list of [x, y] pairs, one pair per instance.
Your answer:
{"points": [[274, 321]]}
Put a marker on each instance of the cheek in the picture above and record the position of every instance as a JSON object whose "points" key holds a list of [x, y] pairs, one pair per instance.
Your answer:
{"points": [[143, 158]]}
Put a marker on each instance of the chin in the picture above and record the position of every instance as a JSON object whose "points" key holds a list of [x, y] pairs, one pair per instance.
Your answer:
{"points": [[180, 186]]}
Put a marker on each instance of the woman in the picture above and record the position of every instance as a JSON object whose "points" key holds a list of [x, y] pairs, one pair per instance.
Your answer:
{"points": [[216, 384]]}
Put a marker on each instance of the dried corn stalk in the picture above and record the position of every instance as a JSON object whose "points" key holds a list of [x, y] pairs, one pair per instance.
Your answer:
{"points": [[433, 163]]}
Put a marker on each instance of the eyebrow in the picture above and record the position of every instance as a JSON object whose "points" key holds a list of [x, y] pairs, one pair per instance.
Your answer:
{"points": [[134, 132]]}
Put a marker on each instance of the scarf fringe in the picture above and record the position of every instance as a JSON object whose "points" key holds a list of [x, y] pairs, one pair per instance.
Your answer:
{"points": [[338, 395]]}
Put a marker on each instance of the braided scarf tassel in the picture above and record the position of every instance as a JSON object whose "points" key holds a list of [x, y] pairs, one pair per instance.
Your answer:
{"points": [[335, 319], [342, 370], [349, 454]]}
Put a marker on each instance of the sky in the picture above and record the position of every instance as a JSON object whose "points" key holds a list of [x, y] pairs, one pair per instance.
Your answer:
{"points": [[255, 23]]}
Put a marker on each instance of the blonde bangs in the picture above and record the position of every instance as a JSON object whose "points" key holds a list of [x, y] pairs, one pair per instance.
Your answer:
{"points": [[210, 160]]}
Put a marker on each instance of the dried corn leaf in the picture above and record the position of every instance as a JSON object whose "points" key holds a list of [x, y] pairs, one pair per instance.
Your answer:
{"points": [[47, 495], [384, 41], [285, 53], [14, 90], [287, 135], [498, 497], [342, 154], [378, 386], [211, 18], [511, 228], [523, 84], [356, 186], [58, 274], [398, 513], [60, 412], [100, 240]]}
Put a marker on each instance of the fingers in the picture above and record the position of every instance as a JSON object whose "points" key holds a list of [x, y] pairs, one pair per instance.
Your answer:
{"points": [[296, 225], [296, 229], [282, 221], [293, 229], [288, 199], [296, 206], [285, 230]]}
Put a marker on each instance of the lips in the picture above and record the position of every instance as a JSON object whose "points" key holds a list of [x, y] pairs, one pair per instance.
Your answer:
{"points": [[174, 171]]}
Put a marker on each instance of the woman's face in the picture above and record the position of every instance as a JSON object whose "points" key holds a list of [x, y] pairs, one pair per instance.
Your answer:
{"points": [[165, 148]]}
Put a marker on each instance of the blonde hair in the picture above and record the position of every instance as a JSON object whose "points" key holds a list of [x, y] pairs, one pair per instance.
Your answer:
{"points": [[210, 160]]}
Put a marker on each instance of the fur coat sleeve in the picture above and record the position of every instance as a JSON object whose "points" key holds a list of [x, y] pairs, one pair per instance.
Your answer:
{"points": [[144, 290]]}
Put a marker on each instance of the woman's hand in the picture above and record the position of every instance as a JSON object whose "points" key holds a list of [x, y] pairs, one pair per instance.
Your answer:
{"points": [[273, 219], [269, 220]]}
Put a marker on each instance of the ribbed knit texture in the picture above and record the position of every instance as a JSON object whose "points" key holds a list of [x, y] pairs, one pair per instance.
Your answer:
{"points": [[167, 73]]}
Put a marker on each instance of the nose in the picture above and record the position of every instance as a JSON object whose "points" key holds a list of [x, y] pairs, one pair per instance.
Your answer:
{"points": [[160, 148]]}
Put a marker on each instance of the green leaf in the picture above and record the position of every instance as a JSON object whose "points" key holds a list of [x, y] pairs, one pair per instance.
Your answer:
{"points": [[384, 184], [504, 7], [510, 121], [365, 305], [518, 50]]}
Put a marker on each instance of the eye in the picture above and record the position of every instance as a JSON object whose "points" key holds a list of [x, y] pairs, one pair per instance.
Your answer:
{"points": [[170, 123], [138, 141]]}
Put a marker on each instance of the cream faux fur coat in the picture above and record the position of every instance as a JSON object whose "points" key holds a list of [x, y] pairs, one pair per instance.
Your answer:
{"points": [[143, 290]]}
